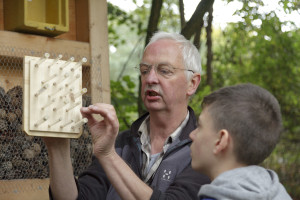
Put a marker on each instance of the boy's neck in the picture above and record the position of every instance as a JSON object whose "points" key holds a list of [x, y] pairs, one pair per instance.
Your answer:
{"points": [[224, 167]]}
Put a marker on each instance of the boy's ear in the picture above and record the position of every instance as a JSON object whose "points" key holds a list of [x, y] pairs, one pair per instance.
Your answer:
{"points": [[222, 142], [193, 83]]}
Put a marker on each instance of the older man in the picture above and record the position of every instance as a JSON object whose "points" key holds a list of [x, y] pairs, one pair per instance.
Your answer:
{"points": [[152, 159]]}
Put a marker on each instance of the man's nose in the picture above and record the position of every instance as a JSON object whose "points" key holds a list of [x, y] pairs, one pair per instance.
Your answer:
{"points": [[152, 76]]}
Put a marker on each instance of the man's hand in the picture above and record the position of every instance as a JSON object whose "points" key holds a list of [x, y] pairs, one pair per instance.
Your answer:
{"points": [[103, 132]]}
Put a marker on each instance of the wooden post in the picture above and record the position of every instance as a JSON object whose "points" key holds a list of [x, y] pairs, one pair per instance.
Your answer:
{"points": [[100, 84], [26, 189]]}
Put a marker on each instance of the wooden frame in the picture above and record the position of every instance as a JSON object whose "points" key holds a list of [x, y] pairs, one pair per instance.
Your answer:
{"points": [[90, 42]]}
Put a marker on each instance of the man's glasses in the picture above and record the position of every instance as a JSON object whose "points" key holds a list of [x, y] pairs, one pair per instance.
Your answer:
{"points": [[162, 69]]}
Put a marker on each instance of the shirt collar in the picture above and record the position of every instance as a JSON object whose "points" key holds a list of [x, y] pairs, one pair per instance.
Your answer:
{"points": [[144, 130]]}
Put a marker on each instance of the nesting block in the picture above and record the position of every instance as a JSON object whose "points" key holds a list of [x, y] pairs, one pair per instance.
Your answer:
{"points": [[53, 97], [45, 17]]}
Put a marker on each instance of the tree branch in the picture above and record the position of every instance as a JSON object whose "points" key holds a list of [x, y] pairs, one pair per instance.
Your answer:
{"points": [[181, 11], [153, 19], [191, 25]]}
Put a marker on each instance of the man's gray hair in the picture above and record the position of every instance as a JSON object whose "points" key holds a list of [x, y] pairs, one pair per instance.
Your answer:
{"points": [[190, 54]]}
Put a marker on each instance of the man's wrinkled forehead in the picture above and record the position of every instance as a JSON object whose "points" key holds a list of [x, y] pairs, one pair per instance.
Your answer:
{"points": [[162, 43], [165, 50]]}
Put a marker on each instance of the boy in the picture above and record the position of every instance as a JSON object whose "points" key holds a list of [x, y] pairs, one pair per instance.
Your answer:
{"points": [[238, 128]]}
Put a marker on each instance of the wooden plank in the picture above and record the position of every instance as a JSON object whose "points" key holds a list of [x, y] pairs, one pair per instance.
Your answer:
{"points": [[71, 34], [27, 189], [15, 44], [1, 15], [100, 82], [82, 20]]}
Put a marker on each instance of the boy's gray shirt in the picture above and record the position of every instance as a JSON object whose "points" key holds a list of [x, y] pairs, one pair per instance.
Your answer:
{"points": [[246, 183]]}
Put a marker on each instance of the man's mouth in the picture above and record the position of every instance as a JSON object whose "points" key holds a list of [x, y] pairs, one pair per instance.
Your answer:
{"points": [[152, 93]]}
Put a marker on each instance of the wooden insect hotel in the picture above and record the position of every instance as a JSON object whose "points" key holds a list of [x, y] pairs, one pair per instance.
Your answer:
{"points": [[53, 61]]}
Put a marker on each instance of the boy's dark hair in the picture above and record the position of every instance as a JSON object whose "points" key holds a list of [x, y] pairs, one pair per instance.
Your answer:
{"points": [[252, 116]]}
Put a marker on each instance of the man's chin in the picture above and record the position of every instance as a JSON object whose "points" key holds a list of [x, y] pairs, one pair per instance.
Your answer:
{"points": [[151, 106]]}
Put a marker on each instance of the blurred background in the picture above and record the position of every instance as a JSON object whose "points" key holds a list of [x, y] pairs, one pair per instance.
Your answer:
{"points": [[255, 41]]}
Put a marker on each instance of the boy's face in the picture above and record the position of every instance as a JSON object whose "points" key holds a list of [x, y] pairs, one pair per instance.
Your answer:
{"points": [[202, 146]]}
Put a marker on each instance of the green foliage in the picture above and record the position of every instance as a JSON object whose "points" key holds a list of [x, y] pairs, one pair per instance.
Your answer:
{"points": [[290, 5], [195, 101], [116, 17], [133, 21], [285, 161], [170, 18], [265, 56], [124, 98]]}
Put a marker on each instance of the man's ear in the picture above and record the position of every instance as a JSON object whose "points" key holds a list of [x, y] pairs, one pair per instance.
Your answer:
{"points": [[222, 141], [193, 84]]}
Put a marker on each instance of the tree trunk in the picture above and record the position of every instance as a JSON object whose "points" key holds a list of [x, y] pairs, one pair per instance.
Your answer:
{"points": [[197, 38], [209, 80], [152, 28], [181, 11], [153, 20]]}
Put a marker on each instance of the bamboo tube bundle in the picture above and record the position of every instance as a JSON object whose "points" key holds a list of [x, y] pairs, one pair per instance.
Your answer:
{"points": [[25, 156], [2, 98], [2, 113], [3, 126], [16, 97]]}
